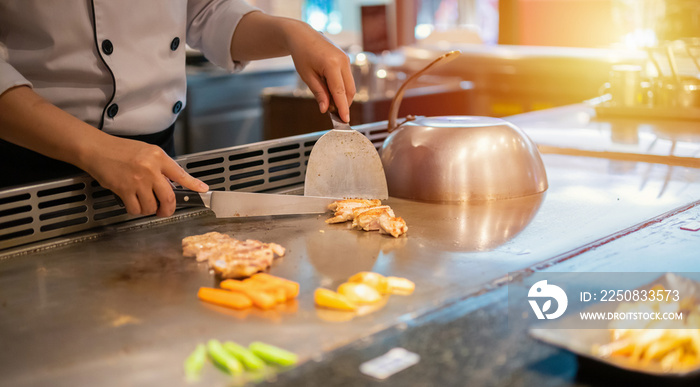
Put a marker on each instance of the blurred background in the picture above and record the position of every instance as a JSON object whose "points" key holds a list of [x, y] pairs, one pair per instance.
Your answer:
{"points": [[517, 56]]}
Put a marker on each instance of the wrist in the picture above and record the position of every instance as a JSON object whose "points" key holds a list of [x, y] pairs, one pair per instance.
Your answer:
{"points": [[291, 32], [89, 147]]}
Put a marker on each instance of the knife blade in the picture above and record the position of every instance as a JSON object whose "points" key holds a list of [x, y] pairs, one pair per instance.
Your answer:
{"points": [[229, 204]]}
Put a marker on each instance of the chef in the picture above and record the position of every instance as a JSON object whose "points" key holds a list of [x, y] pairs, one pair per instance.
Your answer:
{"points": [[97, 85]]}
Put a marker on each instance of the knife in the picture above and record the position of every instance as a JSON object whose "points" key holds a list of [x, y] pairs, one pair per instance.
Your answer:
{"points": [[229, 204]]}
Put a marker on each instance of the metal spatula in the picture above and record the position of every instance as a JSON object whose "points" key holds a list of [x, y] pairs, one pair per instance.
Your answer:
{"points": [[344, 163]]}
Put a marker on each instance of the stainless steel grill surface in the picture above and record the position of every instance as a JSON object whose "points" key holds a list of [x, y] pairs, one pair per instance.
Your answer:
{"points": [[117, 305]]}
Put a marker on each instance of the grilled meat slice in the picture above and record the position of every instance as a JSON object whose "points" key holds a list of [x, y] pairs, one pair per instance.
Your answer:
{"points": [[235, 259], [232, 258], [368, 215], [277, 249], [368, 218], [354, 203], [394, 226], [192, 245], [343, 209]]}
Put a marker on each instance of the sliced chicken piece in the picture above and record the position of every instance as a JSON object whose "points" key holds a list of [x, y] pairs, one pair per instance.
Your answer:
{"points": [[368, 215], [361, 210], [368, 219], [344, 208], [277, 249], [354, 203], [192, 245], [395, 226], [230, 257], [237, 259], [341, 216]]}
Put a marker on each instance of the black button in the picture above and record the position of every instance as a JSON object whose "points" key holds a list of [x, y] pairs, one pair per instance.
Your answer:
{"points": [[175, 44], [177, 107], [107, 47], [112, 110]]}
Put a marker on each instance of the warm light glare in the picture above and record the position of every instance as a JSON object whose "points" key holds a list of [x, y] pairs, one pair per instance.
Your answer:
{"points": [[318, 20], [423, 30], [334, 28], [381, 73], [335, 24], [640, 38]]}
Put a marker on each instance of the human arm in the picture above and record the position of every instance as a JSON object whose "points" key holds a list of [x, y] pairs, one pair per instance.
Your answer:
{"points": [[320, 64], [137, 172], [232, 32]]}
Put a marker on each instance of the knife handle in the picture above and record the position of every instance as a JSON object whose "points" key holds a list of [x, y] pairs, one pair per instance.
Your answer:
{"points": [[187, 198], [183, 198]]}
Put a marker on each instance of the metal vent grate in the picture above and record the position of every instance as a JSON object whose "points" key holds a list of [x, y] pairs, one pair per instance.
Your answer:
{"points": [[55, 208]]}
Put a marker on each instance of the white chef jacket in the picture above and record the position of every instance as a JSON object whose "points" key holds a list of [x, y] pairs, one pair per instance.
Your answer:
{"points": [[118, 65]]}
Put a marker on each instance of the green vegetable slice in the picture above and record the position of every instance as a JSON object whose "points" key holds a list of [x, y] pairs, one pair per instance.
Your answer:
{"points": [[223, 358], [195, 362], [246, 356], [272, 354]]}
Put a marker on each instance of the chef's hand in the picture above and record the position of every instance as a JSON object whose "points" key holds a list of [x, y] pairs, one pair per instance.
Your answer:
{"points": [[137, 172], [140, 174], [324, 67]]}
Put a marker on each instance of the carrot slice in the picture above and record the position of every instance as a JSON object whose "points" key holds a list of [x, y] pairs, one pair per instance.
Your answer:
{"points": [[290, 287], [224, 298], [279, 293], [260, 298]]}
